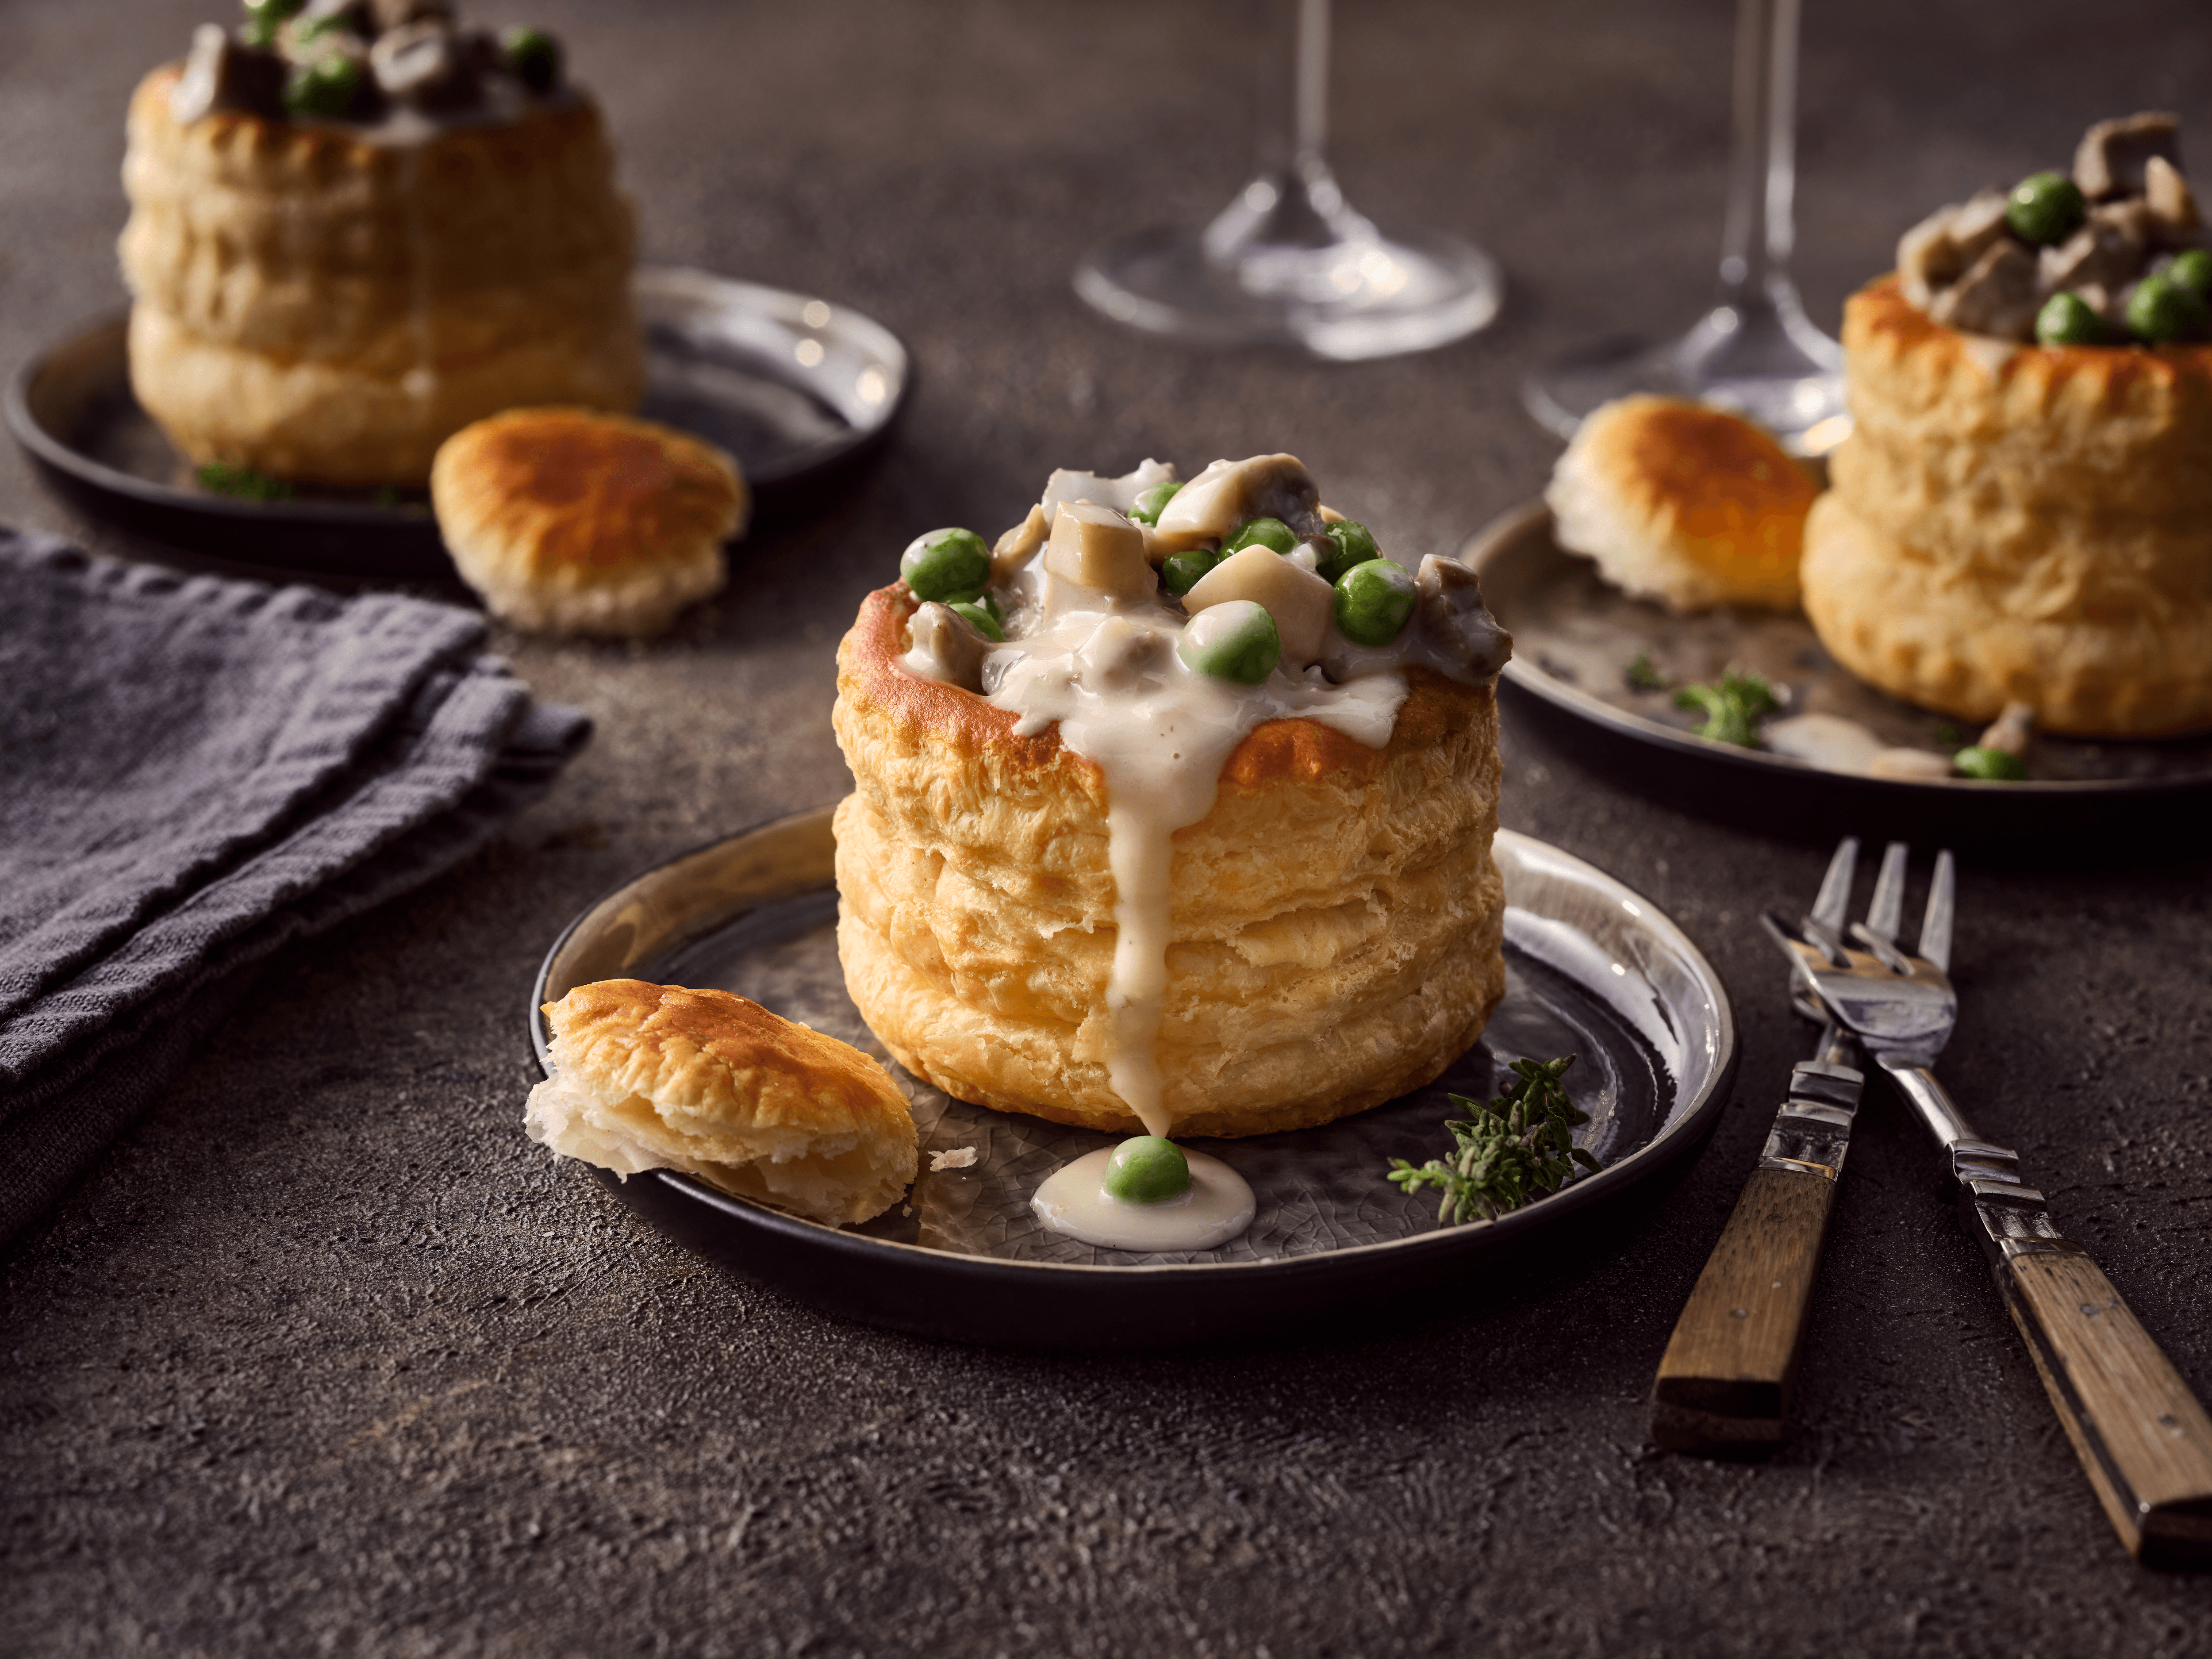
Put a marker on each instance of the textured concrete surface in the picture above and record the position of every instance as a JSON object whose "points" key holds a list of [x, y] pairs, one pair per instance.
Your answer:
{"points": [[326, 1357]]}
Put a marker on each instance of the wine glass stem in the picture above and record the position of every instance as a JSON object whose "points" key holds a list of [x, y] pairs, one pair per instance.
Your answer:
{"points": [[1756, 245], [1294, 130]]}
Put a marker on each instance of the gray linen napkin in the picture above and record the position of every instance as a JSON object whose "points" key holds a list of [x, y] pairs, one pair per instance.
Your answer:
{"points": [[194, 772]]}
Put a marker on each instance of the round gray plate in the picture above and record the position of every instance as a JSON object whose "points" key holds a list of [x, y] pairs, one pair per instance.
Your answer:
{"points": [[1593, 970], [794, 386], [1574, 637]]}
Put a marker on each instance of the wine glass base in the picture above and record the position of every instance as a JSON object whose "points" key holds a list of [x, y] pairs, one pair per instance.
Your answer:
{"points": [[1802, 404], [1377, 296]]}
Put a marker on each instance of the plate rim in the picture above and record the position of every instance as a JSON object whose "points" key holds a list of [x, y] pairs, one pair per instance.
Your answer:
{"points": [[47, 448], [1509, 528], [1689, 1129]]}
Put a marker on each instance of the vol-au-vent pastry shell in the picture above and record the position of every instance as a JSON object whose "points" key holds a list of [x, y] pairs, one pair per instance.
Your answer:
{"points": [[318, 305], [2019, 523], [649, 1077], [1336, 920]]}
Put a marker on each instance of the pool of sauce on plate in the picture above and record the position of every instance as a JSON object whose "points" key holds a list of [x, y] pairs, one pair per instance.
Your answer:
{"points": [[1214, 1209]]}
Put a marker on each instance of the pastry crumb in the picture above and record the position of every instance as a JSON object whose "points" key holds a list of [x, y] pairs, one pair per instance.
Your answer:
{"points": [[960, 1157]]}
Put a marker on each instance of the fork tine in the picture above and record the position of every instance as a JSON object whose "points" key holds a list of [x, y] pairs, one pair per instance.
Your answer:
{"points": [[1887, 913], [1936, 925], [1835, 898]]}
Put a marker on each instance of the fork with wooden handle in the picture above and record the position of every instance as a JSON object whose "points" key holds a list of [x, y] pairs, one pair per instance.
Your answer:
{"points": [[1723, 1384], [2143, 1439]]}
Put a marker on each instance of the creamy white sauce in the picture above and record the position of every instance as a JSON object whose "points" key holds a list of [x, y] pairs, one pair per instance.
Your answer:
{"points": [[1107, 672], [1216, 1206]]}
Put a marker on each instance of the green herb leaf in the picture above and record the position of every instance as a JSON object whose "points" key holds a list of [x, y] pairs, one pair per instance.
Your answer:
{"points": [[1644, 676], [1505, 1150], [1733, 709], [221, 478]]}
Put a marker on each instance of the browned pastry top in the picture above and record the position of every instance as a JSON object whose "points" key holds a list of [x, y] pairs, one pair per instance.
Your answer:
{"points": [[1279, 751]]}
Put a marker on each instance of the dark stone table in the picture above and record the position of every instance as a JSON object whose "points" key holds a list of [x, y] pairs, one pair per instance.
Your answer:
{"points": [[326, 1357]]}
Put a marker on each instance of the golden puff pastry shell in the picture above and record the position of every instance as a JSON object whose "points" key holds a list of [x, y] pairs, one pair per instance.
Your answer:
{"points": [[1336, 920]]}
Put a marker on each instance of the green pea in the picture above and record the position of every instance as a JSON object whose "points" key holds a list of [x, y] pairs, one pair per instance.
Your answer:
{"points": [[1146, 1170], [985, 624], [2160, 311], [2068, 319], [326, 86], [947, 565], [1990, 765], [2193, 270], [1373, 600], [533, 56], [273, 11], [1147, 509], [1271, 533], [2044, 208], [1181, 572], [1236, 640], [258, 32], [1354, 545]]}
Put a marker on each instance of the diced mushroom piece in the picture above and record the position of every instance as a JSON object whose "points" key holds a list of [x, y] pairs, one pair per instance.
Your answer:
{"points": [[1068, 485], [1976, 223], [422, 64], [1455, 627], [2114, 157], [1300, 602], [397, 14], [355, 15], [1217, 499], [1096, 547], [2171, 205], [1996, 296], [2110, 250], [2104, 301], [1119, 653], [2013, 730], [1928, 257], [1330, 515], [219, 73], [1018, 547], [1909, 765], [946, 647]]}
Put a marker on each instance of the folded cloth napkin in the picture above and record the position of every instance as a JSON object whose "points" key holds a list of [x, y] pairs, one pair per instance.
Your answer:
{"points": [[194, 772]]}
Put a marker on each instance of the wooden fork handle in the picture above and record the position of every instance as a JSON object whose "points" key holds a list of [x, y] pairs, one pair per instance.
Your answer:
{"points": [[2143, 1439], [1724, 1382]]}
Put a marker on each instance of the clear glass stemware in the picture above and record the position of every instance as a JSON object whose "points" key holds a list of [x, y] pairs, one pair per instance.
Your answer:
{"points": [[1289, 261], [1755, 351]]}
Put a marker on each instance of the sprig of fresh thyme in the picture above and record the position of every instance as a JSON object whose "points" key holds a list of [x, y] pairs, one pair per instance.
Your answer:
{"points": [[221, 478], [1733, 708], [1506, 1149]]}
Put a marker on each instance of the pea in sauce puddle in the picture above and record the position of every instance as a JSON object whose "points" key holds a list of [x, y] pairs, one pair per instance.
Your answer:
{"points": [[1214, 1209]]}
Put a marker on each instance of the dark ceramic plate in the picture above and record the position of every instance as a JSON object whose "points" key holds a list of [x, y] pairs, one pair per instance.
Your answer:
{"points": [[794, 386], [1593, 970], [1574, 638]]}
